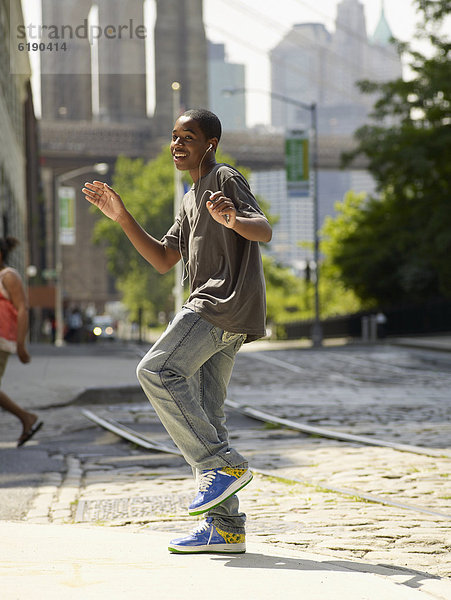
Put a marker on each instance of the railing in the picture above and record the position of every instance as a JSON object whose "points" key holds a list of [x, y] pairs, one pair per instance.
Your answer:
{"points": [[430, 318]]}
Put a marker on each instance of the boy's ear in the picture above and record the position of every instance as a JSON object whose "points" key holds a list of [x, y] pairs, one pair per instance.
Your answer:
{"points": [[213, 144]]}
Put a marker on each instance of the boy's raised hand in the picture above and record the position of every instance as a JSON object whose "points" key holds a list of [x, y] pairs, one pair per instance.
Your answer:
{"points": [[222, 209], [105, 198]]}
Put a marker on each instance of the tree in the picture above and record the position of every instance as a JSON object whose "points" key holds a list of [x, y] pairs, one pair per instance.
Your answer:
{"points": [[290, 298], [356, 251], [396, 247], [147, 191]]}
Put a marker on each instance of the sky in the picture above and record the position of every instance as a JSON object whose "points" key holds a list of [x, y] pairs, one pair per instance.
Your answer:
{"points": [[250, 28]]}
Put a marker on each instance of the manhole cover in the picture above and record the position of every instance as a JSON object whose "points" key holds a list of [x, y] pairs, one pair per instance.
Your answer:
{"points": [[136, 508]]}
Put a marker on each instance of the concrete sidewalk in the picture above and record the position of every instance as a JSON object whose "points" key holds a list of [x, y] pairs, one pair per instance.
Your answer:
{"points": [[57, 376], [84, 563], [441, 343]]}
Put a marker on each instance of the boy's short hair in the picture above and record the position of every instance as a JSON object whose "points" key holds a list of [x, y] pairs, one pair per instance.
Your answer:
{"points": [[208, 122]]}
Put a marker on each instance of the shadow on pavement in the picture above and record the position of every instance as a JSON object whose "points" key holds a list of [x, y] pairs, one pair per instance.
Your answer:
{"points": [[252, 560]]}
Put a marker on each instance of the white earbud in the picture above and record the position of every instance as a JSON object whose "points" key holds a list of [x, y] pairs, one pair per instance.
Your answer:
{"points": [[210, 147]]}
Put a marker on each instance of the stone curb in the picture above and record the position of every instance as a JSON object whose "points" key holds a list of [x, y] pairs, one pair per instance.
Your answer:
{"points": [[109, 395]]}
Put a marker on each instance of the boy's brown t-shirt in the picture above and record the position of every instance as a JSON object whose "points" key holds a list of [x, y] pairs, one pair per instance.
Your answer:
{"points": [[225, 270]]}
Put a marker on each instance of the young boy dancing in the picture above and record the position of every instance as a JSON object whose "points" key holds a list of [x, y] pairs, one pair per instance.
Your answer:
{"points": [[186, 373]]}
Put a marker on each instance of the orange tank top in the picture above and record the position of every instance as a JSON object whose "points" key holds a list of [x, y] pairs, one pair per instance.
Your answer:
{"points": [[8, 317]]}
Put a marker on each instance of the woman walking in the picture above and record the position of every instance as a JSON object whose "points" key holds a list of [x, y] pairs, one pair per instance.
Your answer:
{"points": [[13, 331]]}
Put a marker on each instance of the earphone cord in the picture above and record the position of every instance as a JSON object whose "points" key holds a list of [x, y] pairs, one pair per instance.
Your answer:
{"points": [[185, 266], [185, 271]]}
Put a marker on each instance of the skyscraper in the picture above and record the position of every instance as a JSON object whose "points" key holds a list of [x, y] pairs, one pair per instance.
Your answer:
{"points": [[312, 65], [298, 70], [221, 75], [383, 59]]}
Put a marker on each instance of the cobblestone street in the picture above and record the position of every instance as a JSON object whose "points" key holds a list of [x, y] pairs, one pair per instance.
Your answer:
{"points": [[394, 394]]}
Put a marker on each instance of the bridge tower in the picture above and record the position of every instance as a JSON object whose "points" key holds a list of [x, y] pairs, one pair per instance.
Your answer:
{"points": [[180, 55]]}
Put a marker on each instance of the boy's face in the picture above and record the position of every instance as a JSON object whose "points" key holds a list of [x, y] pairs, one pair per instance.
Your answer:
{"points": [[189, 145]]}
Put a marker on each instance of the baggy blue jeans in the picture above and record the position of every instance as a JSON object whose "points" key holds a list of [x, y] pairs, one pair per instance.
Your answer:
{"points": [[185, 377]]}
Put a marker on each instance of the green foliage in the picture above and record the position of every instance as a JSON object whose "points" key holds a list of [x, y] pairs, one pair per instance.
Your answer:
{"points": [[290, 298], [285, 293], [396, 248], [434, 10], [356, 252], [147, 191]]}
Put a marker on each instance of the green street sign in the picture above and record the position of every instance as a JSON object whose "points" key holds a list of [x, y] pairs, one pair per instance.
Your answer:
{"points": [[48, 274], [297, 158], [66, 198]]}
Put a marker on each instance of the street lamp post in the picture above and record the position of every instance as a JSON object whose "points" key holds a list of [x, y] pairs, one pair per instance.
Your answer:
{"points": [[101, 169], [316, 334]]}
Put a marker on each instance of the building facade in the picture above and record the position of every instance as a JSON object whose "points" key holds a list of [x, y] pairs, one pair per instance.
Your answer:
{"points": [[17, 130], [231, 109], [311, 64], [292, 241]]}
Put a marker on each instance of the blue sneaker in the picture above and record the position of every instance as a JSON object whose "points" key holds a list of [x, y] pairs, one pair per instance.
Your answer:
{"points": [[216, 485], [209, 538]]}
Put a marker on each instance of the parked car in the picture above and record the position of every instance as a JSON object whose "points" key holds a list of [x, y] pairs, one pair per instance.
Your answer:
{"points": [[103, 327]]}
